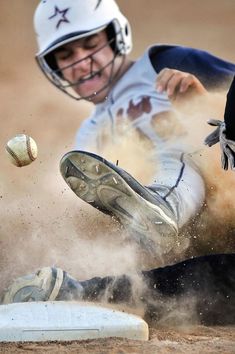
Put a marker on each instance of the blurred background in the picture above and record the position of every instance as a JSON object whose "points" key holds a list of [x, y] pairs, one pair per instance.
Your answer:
{"points": [[42, 222]]}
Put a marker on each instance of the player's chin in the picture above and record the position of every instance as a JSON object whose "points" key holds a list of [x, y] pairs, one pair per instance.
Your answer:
{"points": [[96, 95], [94, 90]]}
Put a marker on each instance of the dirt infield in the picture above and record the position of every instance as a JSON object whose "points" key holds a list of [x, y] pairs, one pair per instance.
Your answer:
{"points": [[162, 341], [42, 222]]}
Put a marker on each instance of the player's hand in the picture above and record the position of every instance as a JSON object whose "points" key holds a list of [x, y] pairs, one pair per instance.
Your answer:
{"points": [[178, 84], [227, 146]]}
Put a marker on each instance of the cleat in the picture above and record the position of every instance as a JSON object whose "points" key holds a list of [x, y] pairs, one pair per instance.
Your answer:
{"points": [[46, 284], [142, 212]]}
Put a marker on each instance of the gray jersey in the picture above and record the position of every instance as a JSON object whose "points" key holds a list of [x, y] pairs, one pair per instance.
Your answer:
{"points": [[134, 100]]}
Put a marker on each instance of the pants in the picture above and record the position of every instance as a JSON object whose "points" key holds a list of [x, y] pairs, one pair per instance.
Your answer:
{"points": [[179, 183], [201, 289], [206, 284]]}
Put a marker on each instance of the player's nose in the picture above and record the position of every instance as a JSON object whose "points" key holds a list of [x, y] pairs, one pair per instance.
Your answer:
{"points": [[81, 59]]}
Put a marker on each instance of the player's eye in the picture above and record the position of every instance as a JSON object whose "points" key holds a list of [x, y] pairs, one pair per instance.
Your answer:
{"points": [[91, 42], [90, 46], [63, 54]]}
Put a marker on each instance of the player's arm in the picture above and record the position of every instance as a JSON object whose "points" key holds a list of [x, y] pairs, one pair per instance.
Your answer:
{"points": [[213, 72]]}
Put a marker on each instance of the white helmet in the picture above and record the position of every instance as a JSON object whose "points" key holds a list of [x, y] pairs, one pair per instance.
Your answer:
{"points": [[58, 22]]}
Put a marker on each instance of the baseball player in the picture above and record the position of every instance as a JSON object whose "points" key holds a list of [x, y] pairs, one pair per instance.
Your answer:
{"points": [[225, 131], [83, 51], [202, 286]]}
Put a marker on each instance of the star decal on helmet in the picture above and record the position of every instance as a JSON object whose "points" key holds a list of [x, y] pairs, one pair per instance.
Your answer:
{"points": [[62, 16]]}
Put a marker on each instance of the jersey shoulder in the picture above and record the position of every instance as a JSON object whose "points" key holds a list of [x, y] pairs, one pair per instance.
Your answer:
{"points": [[210, 69]]}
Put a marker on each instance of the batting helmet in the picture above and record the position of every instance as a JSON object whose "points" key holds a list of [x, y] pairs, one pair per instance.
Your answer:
{"points": [[58, 22]]}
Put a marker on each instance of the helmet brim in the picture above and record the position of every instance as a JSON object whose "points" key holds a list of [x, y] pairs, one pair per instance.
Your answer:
{"points": [[69, 38]]}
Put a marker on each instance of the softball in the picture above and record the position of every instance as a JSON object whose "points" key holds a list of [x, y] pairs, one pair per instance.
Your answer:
{"points": [[21, 150]]}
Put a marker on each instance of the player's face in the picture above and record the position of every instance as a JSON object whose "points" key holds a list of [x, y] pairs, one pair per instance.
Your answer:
{"points": [[87, 64]]}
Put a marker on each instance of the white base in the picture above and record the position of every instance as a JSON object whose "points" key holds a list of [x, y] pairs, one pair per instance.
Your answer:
{"points": [[62, 320]]}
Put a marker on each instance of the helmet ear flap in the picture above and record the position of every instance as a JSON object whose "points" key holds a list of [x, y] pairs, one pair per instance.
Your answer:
{"points": [[123, 35]]}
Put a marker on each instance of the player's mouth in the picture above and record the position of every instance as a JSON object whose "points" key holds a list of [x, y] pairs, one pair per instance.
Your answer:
{"points": [[90, 83], [89, 77]]}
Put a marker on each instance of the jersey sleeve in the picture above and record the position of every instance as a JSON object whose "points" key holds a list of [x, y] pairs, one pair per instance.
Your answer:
{"points": [[211, 70]]}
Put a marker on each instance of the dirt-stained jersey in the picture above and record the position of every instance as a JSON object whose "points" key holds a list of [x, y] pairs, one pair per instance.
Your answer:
{"points": [[134, 97], [135, 100]]}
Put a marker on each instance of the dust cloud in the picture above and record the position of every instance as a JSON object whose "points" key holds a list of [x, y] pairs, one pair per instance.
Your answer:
{"points": [[212, 228], [213, 231]]}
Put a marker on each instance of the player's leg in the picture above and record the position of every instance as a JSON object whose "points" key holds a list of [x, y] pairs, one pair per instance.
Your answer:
{"points": [[208, 282], [54, 284], [203, 286], [179, 182], [151, 214], [113, 191]]}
